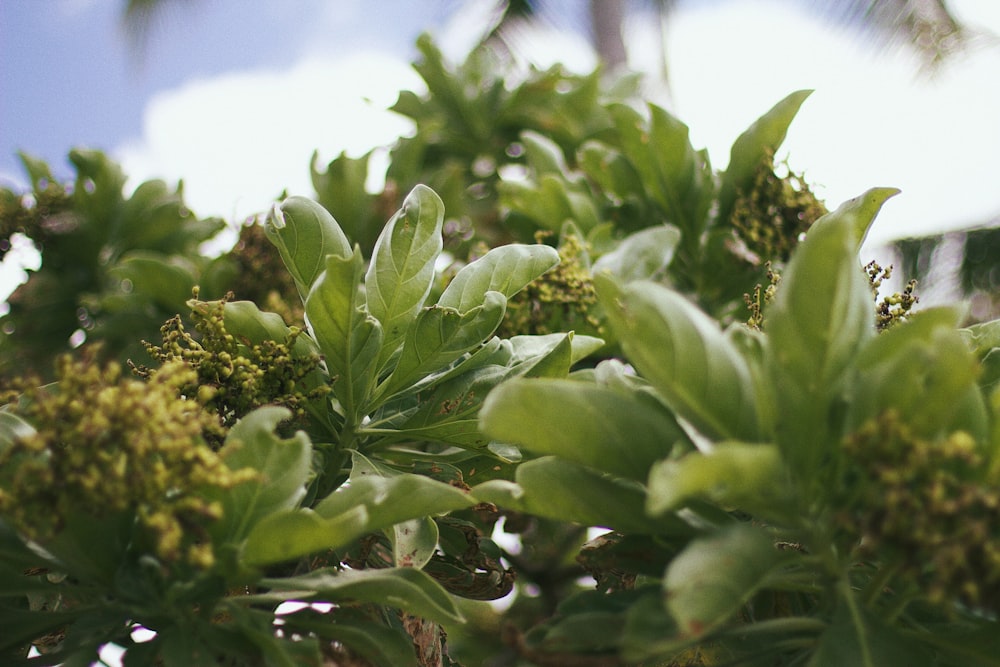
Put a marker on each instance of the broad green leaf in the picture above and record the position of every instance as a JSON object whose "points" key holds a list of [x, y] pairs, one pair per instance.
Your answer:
{"points": [[920, 368], [414, 542], [401, 272], [819, 321], [448, 412], [984, 340], [525, 348], [305, 233], [734, 475], [391, 500], [856, 637], [439, 336], [290, 534], [542, 154], [559, 489], [682, 352], [715, 575], [607, 429], [506, 269], [283, 466], [642, 255], [404, 588], [675, 175], [759, 142], [349, 337]]}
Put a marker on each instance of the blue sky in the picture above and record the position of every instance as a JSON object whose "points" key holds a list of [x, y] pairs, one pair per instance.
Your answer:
{"points": [[232, 96]]}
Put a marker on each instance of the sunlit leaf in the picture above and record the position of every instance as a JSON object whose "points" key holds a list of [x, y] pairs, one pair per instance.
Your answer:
{"points": [[602, 427], [305, 233], [758, 143], [349, 337], [283, 466], [733, 475], [559, 489], [402, 267], [822, 315], [506, 269], [682, 352]]}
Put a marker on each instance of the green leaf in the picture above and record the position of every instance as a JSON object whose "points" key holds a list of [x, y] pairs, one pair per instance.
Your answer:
{"points": [[676, 176], [525, 348], [757, 143], [414, 542], [732, 474], [855, 637], [439, 336], [715, 575], [642, 255], [819, 320], [507, 269], [921, 368], [682, 352], [283, 466], [305, 233], [605, 428], [291, 534], [558, 489], [404, 588], [391, 500], [349, 337], [401, 272]]}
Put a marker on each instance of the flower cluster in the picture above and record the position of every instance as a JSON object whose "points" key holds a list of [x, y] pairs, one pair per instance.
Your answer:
{"points": [[561, 300], [894, 308], [107, 445], [761, 297], [927, 508], [231, 378], [771, 217]]}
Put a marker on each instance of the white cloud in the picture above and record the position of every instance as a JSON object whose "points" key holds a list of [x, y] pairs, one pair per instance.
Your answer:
{"points": [[871, 122], [237, 140]]}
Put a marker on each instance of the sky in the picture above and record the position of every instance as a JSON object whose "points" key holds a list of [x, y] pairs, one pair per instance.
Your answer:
{"points": [[234, 96]]}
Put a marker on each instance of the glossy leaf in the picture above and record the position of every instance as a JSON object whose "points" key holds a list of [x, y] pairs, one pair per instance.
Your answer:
{"points": [[349, 337], [439, 336], [524, 348], [283, 466], [506, 269], [819, 320], [733, 475], [642, 255], [159, 278], [682, 352], [601, 427], [305, 233], [401, 272], [391, 500], [758, 143], [558, 489], [290, 534], [404, 588], [715, 575]]}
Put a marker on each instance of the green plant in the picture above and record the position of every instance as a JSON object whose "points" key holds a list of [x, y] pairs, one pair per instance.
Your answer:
{"points": [[813, 493], [242, 512]]}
